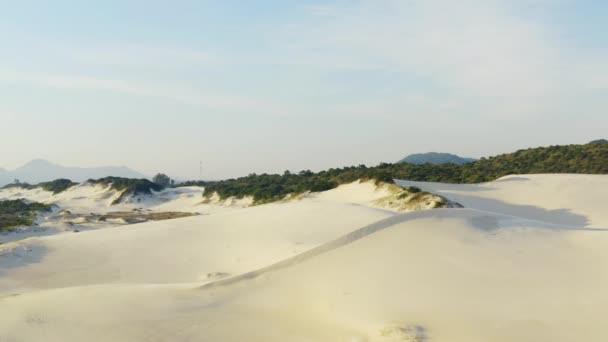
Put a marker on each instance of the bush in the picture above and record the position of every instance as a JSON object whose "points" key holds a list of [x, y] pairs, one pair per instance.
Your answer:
{"points": [[57, 186], [128, 186], [162, 180]]}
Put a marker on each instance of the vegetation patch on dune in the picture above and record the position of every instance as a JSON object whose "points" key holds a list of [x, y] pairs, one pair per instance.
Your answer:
{"points": [[56, 186], [268, 188], [138, 216], [413, 198], [14, 213], [128, 186], [129, 217]]}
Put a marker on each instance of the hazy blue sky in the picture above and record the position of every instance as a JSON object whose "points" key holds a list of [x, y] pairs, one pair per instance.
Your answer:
{"points": [[264, 86]]}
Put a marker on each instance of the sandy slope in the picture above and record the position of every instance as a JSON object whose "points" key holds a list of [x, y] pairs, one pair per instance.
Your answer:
{"points": [[326, 270], [573, 200], [447, 275], [181, 250]]}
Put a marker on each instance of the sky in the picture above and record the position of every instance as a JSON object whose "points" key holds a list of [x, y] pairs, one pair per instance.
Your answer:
{"points": [[267, 86]]}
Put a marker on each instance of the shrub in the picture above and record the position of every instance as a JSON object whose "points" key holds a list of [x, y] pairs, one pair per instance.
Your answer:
{"points": [[57, 186], [15, 213], [413, 189], [128, 186], [162, 180]]}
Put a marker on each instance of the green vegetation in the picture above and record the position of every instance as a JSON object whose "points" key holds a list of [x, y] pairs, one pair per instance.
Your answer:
{"points": [[588, 159], [128, 186], [14, 213], [57, 186], [193, 183], [164, 180]]}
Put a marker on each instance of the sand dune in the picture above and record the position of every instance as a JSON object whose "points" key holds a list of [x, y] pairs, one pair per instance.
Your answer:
{"points": [[181, 250], [86, 198], [327, 269], [80, 208]]}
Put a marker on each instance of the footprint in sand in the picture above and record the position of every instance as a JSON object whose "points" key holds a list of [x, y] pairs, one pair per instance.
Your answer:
{"points": [[217, 275], [410, 333]]}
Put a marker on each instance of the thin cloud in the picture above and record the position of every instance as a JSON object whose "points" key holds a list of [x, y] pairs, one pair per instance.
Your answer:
{"points": [[133, 55], [472, 58], [479, 49], [178, 94]]}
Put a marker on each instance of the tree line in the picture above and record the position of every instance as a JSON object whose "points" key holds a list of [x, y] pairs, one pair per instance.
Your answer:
{"points": [[585, 159]]}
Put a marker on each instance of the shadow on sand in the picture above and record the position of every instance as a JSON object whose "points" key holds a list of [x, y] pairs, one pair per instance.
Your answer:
{"points": [[19, 254], [563, 217]]}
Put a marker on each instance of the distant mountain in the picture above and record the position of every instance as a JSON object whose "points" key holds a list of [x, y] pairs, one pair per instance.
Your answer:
{"points": [[436, 158], [599, 142], [40, 170]]}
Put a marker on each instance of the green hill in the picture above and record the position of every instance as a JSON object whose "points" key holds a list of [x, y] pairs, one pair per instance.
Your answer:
{"points": [[599, 142], [436, 158]]}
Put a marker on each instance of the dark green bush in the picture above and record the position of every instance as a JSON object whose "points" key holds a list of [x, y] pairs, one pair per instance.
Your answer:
{"points": [[413, 189], [162, 179], [57, 186]]}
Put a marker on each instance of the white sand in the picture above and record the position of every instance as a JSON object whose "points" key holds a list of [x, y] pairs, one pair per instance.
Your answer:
{"points": [[181, 250], [328, 268]]}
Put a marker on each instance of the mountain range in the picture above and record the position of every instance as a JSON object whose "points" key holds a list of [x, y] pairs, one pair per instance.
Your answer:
{"points": [[40, 170]]}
